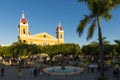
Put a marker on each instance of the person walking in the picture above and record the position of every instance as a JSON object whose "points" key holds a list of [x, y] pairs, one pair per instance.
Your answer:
{"points": [[2, 71], [19, 72], [91, 67], [40, 71], [32, 70], [35, 71]]}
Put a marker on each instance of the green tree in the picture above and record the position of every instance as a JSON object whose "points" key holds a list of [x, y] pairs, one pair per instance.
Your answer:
{"points": [[0, 50], [98, 9], [22, 49], [103, 40], [117, 42]]}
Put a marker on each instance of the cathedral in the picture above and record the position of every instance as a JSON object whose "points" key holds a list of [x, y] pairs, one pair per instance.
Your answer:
{"points": [[41, 38]]}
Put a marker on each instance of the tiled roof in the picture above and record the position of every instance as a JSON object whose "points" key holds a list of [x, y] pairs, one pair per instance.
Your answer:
{"points": [[23, 20]]}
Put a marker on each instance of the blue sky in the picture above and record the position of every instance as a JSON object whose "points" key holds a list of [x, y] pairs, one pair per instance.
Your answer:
{"points": [[44, 15]]}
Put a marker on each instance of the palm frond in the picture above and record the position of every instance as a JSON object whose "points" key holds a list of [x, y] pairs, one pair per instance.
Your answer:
{"points": [[91, 30], [83, 24], [82, 0], [115, 3], [117, 41], [107, 16], [106, 42], [94, 43]]}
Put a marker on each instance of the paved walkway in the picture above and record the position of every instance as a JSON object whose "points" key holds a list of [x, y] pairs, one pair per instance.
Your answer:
{"points": [[11, 74]]}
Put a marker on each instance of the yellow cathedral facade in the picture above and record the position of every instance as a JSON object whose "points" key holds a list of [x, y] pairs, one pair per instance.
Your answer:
{"points": [[41, 38]]}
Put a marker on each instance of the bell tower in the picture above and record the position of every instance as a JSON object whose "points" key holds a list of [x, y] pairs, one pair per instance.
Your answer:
{"points": [[60, 34], [23, 28]]}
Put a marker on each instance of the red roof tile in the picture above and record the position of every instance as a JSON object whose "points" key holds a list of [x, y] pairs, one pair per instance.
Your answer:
{"points": [[59, 28], [23, 20]]}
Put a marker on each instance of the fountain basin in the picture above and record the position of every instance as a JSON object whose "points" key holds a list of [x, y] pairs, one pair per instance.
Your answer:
{"points": [[69, 70]]}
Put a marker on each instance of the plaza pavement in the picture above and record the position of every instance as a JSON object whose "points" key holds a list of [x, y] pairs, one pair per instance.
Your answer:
{"points": [[12, 74]]}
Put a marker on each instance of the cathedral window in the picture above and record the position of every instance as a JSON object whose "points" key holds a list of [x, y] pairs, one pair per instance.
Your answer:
{"points": [[23, 31], [57, 36], [60, 35], [44, 36], [24, 41]]}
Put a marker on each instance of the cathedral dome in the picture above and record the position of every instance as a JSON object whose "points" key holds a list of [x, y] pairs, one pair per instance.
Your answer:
{"points": [[23, 20], [59, 27]]}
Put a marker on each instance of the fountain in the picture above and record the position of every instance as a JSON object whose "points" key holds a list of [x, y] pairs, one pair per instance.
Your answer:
{"points": [[63, 71]]}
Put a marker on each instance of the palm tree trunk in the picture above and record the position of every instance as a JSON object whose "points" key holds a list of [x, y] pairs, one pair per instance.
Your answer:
{"points": [[100, 47]]}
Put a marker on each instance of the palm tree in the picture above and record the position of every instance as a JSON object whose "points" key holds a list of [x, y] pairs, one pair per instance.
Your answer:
{"points": [[98, 9]]}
